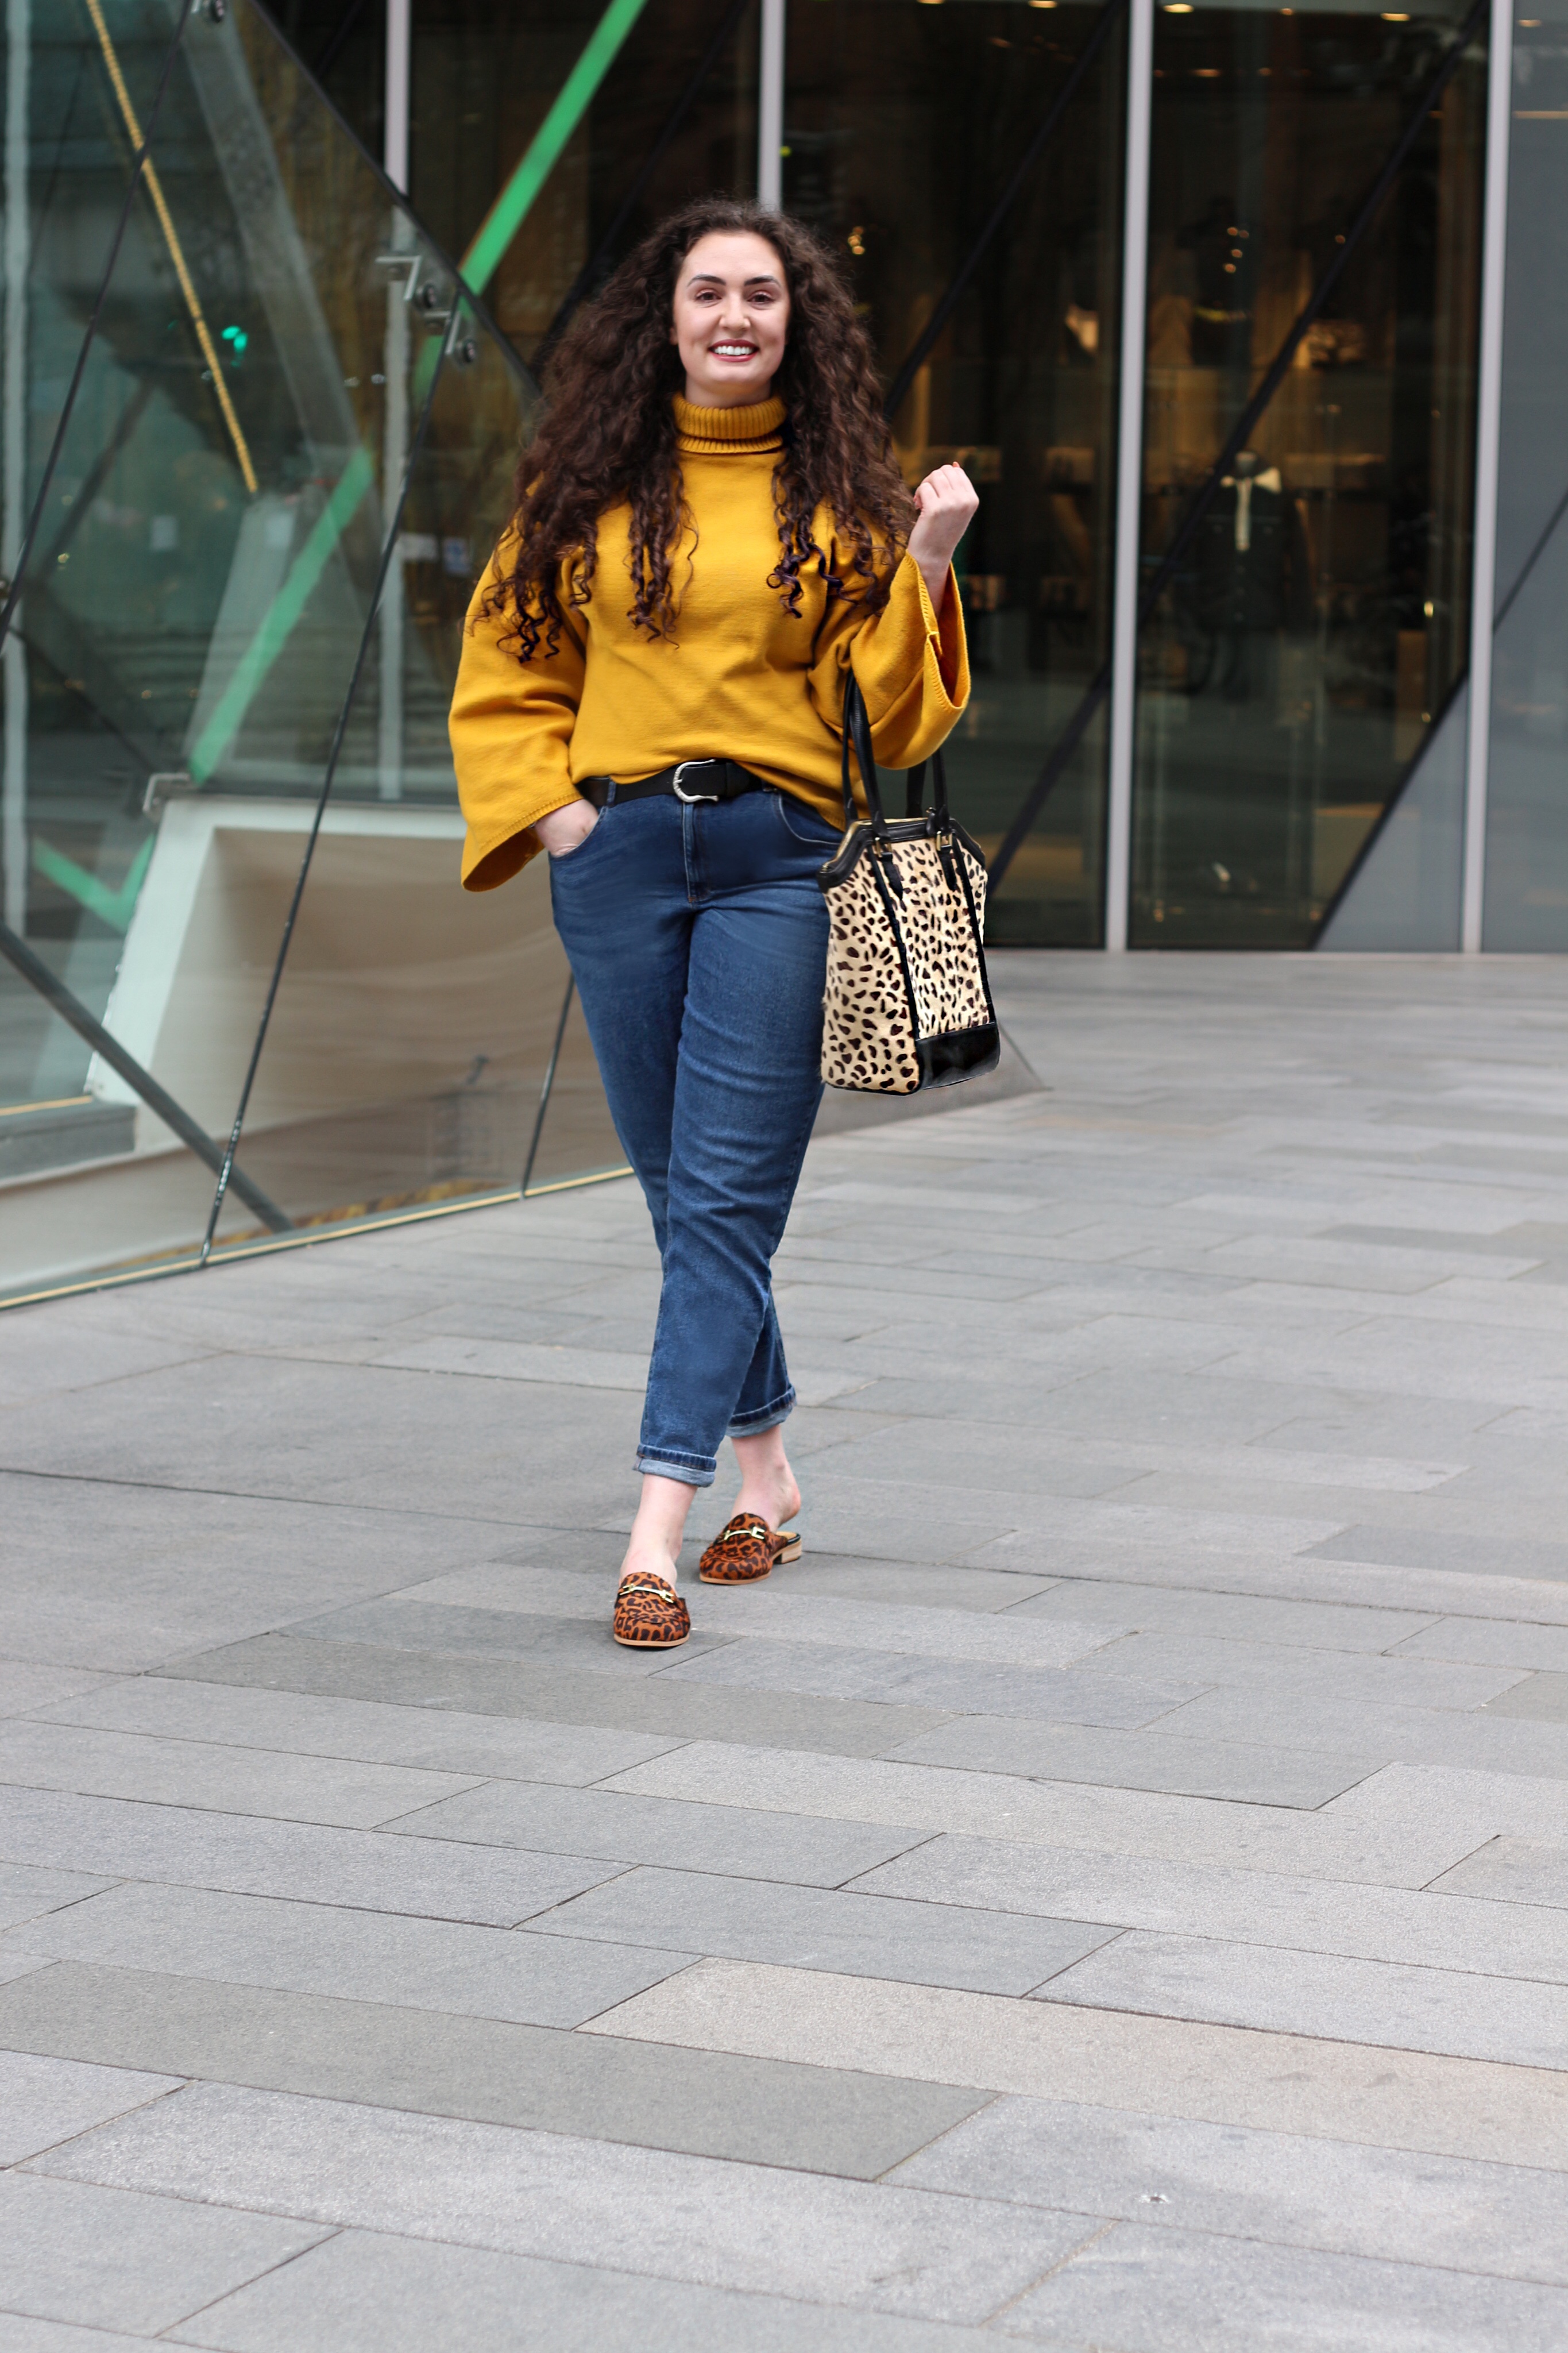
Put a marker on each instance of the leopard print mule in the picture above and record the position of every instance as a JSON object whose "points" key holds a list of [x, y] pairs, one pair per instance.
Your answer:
{"points": [[745, 1550], [649, 1614]]}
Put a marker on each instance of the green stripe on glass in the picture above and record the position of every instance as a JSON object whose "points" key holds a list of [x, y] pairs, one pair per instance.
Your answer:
{"points": [[278, 622], [511, 207]]}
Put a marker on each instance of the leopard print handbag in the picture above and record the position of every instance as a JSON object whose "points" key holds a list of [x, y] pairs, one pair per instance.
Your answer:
{"points": [[908, 1004]]}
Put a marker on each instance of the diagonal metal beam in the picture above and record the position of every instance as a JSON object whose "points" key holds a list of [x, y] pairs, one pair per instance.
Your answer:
{"points": [[1236, 439], [547, 1089], [46, 482], [58, 997]]}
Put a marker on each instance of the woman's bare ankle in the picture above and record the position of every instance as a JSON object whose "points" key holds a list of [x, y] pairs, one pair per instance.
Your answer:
{"points": [[767, 1483], [654, 1546], [649, 1558]]}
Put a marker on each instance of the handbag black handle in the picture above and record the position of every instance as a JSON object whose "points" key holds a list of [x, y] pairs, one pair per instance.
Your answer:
{"points": [[857, 730], [915, 792]]}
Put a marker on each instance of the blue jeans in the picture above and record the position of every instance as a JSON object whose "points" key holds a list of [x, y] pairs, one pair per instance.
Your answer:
{"points": [[699, 938]]}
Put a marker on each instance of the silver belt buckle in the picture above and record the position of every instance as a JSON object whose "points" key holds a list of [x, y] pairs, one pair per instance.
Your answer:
{"points": [[690, 799]]}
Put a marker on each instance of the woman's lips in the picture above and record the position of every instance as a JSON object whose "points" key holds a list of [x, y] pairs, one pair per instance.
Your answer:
{"points": [[732, 350]]}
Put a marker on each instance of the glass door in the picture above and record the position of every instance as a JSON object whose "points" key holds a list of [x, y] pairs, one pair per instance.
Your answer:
{"points": [[1318, 619]]}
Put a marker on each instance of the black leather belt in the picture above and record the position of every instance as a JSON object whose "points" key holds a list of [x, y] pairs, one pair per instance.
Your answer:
{"points": [[688, 780]]}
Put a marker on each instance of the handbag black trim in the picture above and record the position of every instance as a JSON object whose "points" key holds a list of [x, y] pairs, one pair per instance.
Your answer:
{"points": [[959, 1054], [858, 842]]}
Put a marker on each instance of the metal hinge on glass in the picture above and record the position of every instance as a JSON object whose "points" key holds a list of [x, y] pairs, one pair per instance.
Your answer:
{"points": [[404, 266], [167, 785], [433, 298]]}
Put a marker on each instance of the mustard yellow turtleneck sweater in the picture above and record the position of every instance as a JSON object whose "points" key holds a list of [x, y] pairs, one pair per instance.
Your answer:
{"points": [[741, 680]]}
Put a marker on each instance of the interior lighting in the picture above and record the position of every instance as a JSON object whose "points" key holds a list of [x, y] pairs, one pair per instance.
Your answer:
{"points": [[1395, 17], [1178, 7], [1042, 3]]}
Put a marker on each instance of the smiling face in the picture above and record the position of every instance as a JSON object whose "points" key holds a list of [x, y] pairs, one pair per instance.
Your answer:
{"points": [[731, 320]]}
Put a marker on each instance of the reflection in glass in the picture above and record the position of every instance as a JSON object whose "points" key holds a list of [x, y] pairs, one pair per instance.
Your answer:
{"points": [[403, 1061], [72, 844], [198, 599], [1321, 616], [903, 124]]}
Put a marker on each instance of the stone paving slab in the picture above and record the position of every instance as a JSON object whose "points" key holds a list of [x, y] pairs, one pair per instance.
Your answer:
{"points": [[320, 1948], [1383, 1831], [1194, 2293], [1248, 1772], [1341, 2196], [116, 2258], [1176, 1675], [45, 2101], [1513, 2020], [483, 1747], [19, 2335], [616, 1828], [25, 1895], [919, 2254], [1327, 2088], [230, 1780], [1300, 1915], [238, 1854], [928, 1943], [822, 1724], [490, 2071], [1514, 1870], [362, 2291]]}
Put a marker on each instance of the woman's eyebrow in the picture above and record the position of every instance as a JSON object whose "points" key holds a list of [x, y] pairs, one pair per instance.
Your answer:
{"points": [[712, 278]]}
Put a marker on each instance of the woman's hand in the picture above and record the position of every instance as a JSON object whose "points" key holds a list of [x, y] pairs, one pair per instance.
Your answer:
{"points": [[947, 500], [563, 829]]}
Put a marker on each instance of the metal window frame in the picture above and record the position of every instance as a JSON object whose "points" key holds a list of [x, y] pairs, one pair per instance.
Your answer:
{"points": [[1488, 437], [1133, 359]]}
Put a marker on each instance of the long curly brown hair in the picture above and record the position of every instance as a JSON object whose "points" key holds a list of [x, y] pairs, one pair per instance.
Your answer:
{"points": [[607, 434]]}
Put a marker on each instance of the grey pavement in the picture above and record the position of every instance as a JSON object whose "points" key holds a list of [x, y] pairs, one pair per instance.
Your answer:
{"points": [[1112, 1893]]}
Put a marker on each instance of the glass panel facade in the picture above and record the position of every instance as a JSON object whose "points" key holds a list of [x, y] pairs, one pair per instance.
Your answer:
{"points": [[904, 124], [1319, 617], [1527, 798], [403, 1058], [280, 359]]}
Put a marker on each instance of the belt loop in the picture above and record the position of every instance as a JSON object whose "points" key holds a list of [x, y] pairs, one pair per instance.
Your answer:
{"points": [[609, 792]]}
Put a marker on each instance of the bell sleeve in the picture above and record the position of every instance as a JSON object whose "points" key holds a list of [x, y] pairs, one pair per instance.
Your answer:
{"points": [[912, 664], [511, 727]]}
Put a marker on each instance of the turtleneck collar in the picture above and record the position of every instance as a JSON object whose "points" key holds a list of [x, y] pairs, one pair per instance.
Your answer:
{"points": [[729, 432]]}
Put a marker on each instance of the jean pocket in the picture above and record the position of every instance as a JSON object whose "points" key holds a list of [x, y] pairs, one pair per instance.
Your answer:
{"points": [[559, 857], [805, 825]]}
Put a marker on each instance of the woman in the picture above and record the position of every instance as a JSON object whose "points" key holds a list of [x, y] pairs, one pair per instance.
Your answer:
{"points": [[709, 531]]}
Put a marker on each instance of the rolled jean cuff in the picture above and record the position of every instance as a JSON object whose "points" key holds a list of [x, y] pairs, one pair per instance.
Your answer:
{"points": [[696, 1469], [766, 1417]]}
